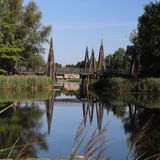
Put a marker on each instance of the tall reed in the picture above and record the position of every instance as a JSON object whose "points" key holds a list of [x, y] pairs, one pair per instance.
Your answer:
{"points": [[24, 82]]}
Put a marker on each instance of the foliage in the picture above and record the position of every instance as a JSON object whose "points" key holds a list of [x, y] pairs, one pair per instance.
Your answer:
{"points": [[148, 85], [134, 54], [70, 66], [80, 64], [3, 71], [58, 65], [25, 82], [22, 132], [36, 62], [118, 61], [145, 50], [21, 34], [32, 32], [10, 47], [149, 39]]}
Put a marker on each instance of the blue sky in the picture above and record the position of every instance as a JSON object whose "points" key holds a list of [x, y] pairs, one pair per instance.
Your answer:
{"points": [[77, 23]]}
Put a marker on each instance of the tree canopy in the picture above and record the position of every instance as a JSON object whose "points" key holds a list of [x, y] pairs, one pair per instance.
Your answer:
{"points": [[149, 39], [118, 60], [21, 34]]}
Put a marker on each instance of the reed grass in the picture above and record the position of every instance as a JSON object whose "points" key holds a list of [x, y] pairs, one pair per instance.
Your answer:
{"points": [[95, 146], [19, 83], [141, 143]]}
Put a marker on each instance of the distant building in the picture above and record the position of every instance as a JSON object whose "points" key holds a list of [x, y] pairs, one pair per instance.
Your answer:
{"points": [[71, 76]]}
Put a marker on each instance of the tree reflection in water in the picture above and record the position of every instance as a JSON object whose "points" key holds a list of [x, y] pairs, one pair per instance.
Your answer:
{"points": [[134, 111], [23, 121], [134, 122]]}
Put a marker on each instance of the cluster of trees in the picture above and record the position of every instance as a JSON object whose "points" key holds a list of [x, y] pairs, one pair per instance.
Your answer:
{"points": [[21, 35], [79, 64], [118, 61], [145, 49], [142, 57]]}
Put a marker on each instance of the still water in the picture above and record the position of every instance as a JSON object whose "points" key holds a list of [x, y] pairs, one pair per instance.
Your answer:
{"points": [[44, 125]]}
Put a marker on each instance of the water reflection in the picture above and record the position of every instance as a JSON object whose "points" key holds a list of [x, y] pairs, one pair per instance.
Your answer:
{"points": [[49, 104], [134, 111], [23, 122], [88, 112], [133, 124], [55, 117]]}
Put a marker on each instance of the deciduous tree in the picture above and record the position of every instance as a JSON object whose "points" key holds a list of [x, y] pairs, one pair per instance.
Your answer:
{"points": [[118, 60], [149, 39], [21, 34]]}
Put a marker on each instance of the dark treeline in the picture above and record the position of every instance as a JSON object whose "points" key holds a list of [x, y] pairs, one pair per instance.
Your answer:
{"points": [[145, 48], [142, 57]]}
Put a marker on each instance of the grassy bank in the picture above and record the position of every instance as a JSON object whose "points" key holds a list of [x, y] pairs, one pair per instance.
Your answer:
{"points": [[147, 86], [20, 83]]}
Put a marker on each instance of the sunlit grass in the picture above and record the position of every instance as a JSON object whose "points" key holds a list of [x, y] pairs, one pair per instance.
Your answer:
{"points": [[25, 82]]}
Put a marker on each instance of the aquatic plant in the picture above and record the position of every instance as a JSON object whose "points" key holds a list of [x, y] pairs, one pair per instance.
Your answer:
{"points": [[95, 146], [140, 144]]}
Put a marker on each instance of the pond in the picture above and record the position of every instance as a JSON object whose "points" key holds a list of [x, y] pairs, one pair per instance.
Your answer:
{"points": [[44, 125]]}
